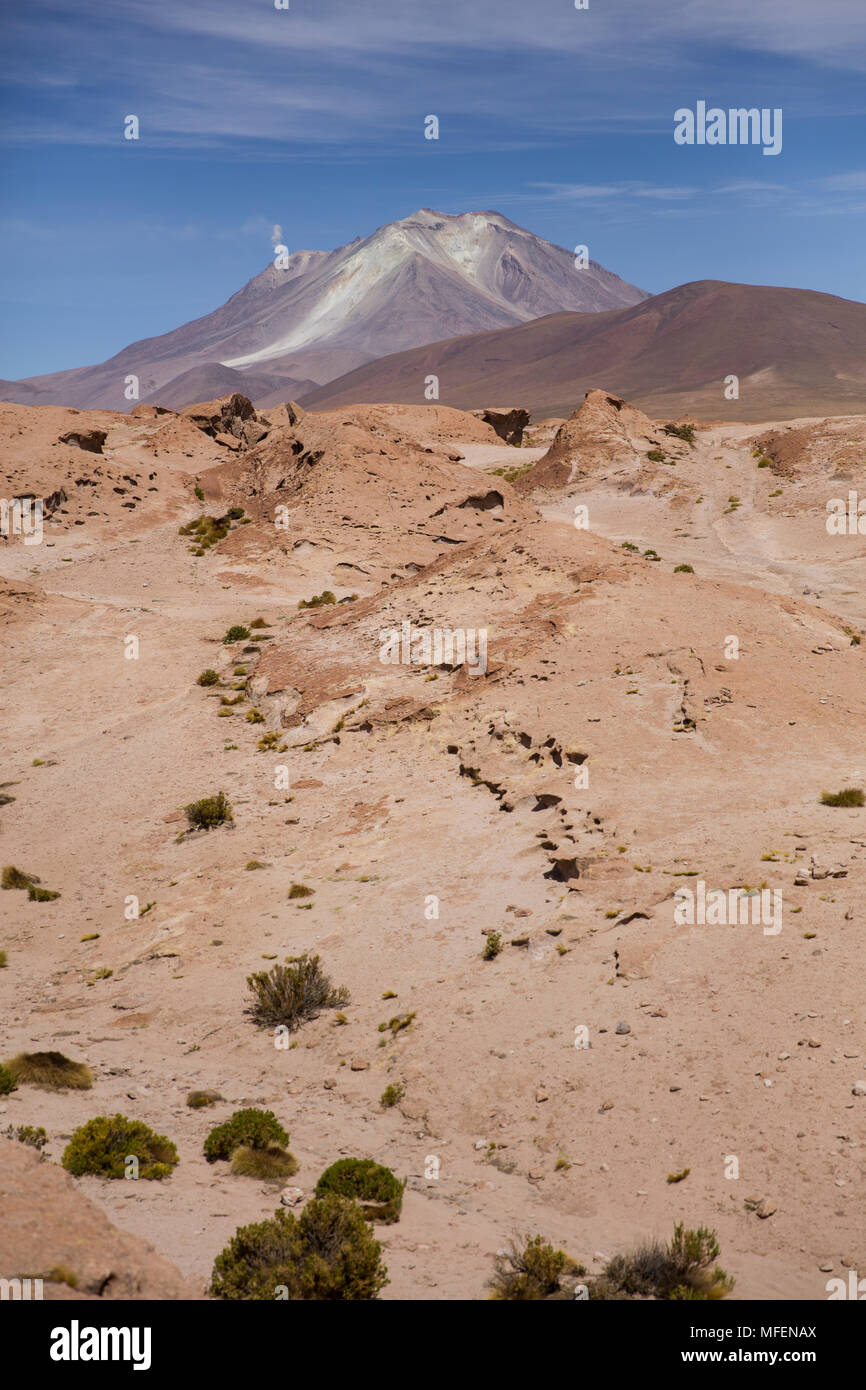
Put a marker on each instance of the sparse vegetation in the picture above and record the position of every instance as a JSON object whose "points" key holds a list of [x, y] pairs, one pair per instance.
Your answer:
{"points": [[16, 878], [271, 1164], [684, 432], [327, 1253], [851, 796], [512, 474], [41, 895], [209, 812], [492, 945], [397, 1024], [238, 633], [254, 716], [208, 677], [205, 531], [8, 1084], [51, 1071], [105, 1144], [26, 1134], [683, 569], [530, 1271], [4, 960], [318, 600], [292, 994], [656, 456], [199, 1100], [392, 1095], [300, 890], [679, 1270], [374, 1187]]}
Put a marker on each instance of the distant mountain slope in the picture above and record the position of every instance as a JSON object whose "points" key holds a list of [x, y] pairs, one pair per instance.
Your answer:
{"points": [[429, 276], [212, 380], [795, 352]]}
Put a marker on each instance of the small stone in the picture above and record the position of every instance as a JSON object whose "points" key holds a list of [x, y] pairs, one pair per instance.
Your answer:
{"points": [[658, 1013], [541, 1095], [826, 1267], [291, 1196], [329, 1083], [675, 1088], [606, 1105], [481, 1143], [859, 1088], [814, 1042], [765, 1209], [358, 1064], [623, 1028]]}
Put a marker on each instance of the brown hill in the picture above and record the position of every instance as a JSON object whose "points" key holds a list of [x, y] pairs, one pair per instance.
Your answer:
{"points": [[795, 352]]}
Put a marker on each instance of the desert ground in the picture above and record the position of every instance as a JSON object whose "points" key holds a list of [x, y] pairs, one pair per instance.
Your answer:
{"points": [[618, 746]]}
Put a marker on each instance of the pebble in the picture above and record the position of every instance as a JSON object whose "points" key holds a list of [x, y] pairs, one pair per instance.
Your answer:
{"points": [[765, 1209], [859, 1088], [826, 1267], [623, 1028], [291, 1196], [358, 1064]]}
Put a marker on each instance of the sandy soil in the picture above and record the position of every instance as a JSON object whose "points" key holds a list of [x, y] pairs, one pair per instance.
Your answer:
{"points": [[406, 782]]}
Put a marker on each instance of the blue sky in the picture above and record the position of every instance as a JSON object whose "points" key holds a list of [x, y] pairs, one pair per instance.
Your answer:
{"points": [[313, 118]]}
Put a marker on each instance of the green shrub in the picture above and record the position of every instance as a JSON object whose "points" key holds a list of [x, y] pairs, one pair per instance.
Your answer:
{"points": [[41, 895], [374, 1187], [292, 994], [254, 716], [628, 545], [686, 432], [205, 531], [210, 811], [530, 1271], [199, 492], [235, 513], [492, 945], [318, 600], [208, 677], [199, 1100], [16, 878], [8, 1084], [656, 456], [683, 569], [851, 796], [26, 1134], [238, 633], [258, 623], [103, 1145], [327, 1253], [300, 890], [254, 1129], [51, 1071], [392, 1095], [272, 1164]]}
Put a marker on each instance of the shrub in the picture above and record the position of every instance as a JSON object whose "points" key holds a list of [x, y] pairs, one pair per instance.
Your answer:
{"points": [[851, 796], [199, 492], [41, 895], [318, 599], [656, 456], [26, 1134], [8, 1084], [199, 1100], [269, 1165], [208, 677], [327, 1253], [253, 1129], [686, 432], [392, 1095], [531, 1271], [628, 545], [374, 1187], [492, 945], [300, 890], [292, 994], [205, 531], [209, 811], [235, 513], [683, 569], [257, 624], [254, 716], [678, 1270], [103, 1145], [238, 633], [16, 878], [4, 960], [50, 1070]]}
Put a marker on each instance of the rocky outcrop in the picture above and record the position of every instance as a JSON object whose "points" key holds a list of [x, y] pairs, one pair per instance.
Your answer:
{"points": [[508, 424], [51, 1231]]}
